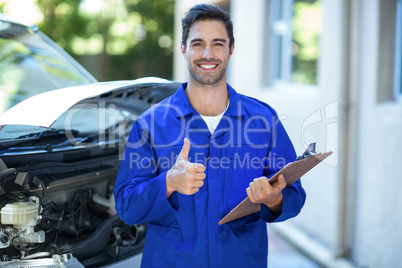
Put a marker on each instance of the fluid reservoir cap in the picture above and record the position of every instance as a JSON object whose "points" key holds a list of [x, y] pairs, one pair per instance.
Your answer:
{"points": [[18, 198]]}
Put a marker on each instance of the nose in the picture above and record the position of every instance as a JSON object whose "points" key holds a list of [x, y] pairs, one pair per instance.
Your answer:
{"points": [[208, 52]]}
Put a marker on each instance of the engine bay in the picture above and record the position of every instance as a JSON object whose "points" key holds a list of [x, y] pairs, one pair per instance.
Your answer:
{"points": [[66, 219]]}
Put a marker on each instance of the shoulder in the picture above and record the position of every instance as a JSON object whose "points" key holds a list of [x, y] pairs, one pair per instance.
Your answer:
{"points": [[253, 106], [158, 110]]}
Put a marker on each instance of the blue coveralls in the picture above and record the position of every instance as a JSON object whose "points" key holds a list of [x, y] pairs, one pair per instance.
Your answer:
{"points": [[183, 230]]}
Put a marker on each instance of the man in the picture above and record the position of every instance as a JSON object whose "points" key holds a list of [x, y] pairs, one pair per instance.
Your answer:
{"points": [[193, 157]]}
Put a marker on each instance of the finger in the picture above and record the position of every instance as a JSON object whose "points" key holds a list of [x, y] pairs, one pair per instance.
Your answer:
{"points": [[281, 181], [250, 195], [259, 184], [199, 167], [199, 176], [195, 190], [198, 184], [196, 168], [184, 150], [253, 190], [264, 183], [191, 190]]}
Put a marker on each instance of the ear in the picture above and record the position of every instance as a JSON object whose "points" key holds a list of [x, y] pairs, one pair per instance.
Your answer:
{"points": [[183, 49], [231, 50]]}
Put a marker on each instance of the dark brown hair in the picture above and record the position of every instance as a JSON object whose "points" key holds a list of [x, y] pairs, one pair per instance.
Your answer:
{"points": [[206, 12]]}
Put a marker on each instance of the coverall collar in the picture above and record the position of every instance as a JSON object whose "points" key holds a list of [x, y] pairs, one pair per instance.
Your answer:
{"points": [[183, 107]]}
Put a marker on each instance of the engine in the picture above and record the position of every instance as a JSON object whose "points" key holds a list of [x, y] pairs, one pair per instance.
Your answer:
{"points": [[69, 220], [23, 215]]}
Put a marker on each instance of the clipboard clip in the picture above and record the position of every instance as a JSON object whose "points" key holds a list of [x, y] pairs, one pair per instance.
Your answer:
{"points": [[310, 151]]}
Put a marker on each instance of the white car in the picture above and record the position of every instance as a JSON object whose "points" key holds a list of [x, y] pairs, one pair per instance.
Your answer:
{"points": [[59, 156]]}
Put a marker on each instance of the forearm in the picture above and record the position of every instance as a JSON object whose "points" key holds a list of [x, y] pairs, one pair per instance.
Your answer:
{"points": [[293, 200], [145, 201], [276, 206]]}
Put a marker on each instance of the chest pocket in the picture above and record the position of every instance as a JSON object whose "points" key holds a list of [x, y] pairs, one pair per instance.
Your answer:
{"points": [[246, 163]]}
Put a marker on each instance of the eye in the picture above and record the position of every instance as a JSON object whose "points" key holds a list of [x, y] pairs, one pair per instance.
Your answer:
{"points": [[219, 44], [196, 45]]}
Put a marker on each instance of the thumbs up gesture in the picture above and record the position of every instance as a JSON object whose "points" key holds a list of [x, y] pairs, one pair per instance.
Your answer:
{"points": [[184, 177]]}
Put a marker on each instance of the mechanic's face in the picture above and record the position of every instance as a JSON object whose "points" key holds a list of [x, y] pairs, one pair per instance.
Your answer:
{"points": [[207, 52]]}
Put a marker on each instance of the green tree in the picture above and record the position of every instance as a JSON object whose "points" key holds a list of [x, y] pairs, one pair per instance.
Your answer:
{"points": [[306, 27], [62, 21], [2, 5], [153, 55], [123, 40]]}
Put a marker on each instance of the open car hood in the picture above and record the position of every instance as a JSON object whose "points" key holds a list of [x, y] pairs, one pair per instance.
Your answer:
{"points": [[43, 109]]}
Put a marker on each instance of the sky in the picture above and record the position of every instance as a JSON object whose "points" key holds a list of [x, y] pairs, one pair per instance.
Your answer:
{"points": [[30, 13], [91, 6]]}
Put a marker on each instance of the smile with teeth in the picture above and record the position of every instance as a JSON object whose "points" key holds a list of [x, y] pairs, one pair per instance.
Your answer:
{"points": [[208, 66]]}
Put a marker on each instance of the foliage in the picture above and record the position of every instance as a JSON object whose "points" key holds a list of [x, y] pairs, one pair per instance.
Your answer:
{"points": [[158, 18], [62, 21], [2, 5], [122, 40], [306, 27]]}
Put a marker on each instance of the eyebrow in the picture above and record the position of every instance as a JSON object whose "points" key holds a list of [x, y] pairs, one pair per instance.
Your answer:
{"points": [[219, 40], [214, 40], [196, 40]]}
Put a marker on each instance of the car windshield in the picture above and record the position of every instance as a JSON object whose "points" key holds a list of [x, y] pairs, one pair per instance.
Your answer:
{"points": [[30, 64], [95, 119], [84, 123]]}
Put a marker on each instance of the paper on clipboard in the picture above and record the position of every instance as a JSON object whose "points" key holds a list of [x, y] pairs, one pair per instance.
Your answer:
{"points": [[292, 172]]}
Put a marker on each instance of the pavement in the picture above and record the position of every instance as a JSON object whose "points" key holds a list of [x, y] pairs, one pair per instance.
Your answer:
{"points": [[281, 254]]}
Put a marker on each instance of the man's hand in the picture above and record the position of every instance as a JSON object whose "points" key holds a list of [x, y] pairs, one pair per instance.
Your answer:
{"points": [[261, 191], [184, 177]]}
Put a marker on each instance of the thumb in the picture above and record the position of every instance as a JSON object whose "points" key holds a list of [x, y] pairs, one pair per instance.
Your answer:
{"points": [[185, 150], [281, 181]]}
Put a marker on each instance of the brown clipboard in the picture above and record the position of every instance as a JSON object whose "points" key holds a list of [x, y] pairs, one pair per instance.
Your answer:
{"points": [[292, 172]]}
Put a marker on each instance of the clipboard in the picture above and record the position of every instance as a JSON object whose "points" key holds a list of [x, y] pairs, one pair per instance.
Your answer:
{"points": [[292, 172]]}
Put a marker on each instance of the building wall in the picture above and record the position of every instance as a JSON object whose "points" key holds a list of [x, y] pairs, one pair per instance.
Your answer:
{"points": [[353, 203], [378, 232], [301, 108]]}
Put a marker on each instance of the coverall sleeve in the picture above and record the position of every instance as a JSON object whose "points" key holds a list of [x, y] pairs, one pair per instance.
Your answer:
{"points": [[294, 196], [140, 192]]}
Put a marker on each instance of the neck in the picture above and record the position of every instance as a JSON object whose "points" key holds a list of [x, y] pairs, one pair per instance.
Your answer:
{"points": [[209, 100]]}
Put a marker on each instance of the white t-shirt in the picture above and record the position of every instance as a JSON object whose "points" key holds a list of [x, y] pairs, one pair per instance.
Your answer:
{"points": [[213, 121]]}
